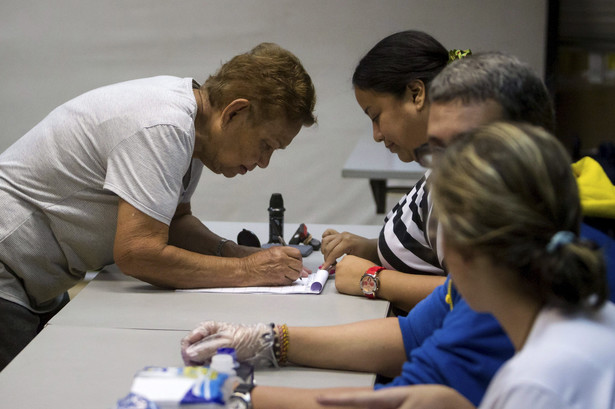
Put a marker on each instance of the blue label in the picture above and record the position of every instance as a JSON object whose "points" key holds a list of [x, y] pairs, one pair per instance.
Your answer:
{"points": [[133, 401], [206, 390]]}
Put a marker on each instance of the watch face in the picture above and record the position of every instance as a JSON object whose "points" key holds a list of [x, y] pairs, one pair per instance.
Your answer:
{"points": [[235, 402], [369, 285]]}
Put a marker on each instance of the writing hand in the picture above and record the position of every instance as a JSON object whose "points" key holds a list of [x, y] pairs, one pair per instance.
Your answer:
{"points": [[277, 265]]}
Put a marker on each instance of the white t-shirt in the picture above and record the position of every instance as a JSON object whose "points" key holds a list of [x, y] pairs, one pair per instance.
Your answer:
{"points": [[60, 182], [568, 361]]}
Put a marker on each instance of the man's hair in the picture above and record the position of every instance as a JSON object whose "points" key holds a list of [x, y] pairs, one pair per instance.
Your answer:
{"points": [[498, 77], [271, 78]]}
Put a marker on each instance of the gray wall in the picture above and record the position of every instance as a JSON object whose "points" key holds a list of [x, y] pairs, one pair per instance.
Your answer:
{"points": [[51, 51]]}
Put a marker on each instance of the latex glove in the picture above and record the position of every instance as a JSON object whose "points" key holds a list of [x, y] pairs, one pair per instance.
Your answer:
{"points": [[253, 343]]}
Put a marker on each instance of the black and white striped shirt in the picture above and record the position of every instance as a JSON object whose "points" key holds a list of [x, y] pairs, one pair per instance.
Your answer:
{"points": [[404, 243]]}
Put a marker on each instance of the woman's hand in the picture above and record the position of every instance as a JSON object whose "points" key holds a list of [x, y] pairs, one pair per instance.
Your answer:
{"points": [[334, 245], [406, 397], [348, 273], [252, 343]]}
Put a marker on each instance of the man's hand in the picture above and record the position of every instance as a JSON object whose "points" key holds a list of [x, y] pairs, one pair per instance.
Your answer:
{"points": [[252, 343], [279, 265]]}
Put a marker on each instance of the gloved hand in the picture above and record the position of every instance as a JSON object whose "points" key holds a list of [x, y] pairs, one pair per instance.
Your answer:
{"points": [[253, 343]]}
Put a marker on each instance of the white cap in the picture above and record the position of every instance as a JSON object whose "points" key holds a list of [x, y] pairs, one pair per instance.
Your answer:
{"points": [[223, 363]]}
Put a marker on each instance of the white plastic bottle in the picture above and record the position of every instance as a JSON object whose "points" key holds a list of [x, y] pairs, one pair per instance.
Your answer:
{"points": [[225, 363]]}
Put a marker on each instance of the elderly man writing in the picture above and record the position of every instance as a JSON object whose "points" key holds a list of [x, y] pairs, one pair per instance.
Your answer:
{"points": [[108, 176]]}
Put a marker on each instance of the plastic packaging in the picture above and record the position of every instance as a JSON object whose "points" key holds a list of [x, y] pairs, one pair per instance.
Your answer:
{"points": [[193, 387], [224, 363]]}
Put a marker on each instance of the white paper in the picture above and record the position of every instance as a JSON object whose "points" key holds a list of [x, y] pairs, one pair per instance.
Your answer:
{"points": [[312, 284]]}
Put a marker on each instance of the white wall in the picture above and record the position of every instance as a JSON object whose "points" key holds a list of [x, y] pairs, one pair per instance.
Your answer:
{"points": [[51, 51]]}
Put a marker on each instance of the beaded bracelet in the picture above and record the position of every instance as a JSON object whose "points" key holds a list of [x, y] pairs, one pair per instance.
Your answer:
{"points": [[284, 341], [280, 343]]}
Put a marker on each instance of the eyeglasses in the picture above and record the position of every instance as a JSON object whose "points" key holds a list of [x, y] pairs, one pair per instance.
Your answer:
{"points": [[427, 155]]}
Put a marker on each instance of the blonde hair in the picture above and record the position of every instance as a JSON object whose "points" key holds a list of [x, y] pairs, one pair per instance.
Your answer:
{"points": [[271, 78], [504, 190]]}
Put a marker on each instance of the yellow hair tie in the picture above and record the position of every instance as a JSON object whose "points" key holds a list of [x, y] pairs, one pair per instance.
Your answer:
{"points": [[458, 54]]}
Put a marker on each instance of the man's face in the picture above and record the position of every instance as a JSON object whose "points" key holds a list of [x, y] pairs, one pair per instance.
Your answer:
{"points": [[252, 146], [446, 120]]}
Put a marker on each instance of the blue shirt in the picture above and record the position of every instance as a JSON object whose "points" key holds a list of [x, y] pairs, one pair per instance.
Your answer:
{"points": [[461, 348], [607, 244], [456, 347]]}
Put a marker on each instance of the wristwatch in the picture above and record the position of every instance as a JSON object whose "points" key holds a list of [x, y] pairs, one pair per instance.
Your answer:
{"points": [[240, 398], [370, 282]]}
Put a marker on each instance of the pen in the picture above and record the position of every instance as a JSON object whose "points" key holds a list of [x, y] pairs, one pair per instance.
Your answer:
{"points": [[283, 243], [280, 238]]}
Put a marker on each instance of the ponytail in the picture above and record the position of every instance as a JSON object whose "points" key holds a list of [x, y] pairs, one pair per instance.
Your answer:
{"points": [[574, 275]]}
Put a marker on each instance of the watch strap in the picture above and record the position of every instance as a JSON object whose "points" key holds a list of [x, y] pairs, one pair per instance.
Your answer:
{"points": [[243, 392], [373, 272], [244, 388]]}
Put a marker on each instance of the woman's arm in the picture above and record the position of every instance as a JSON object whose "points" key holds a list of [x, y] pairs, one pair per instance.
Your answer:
{"points": [[406, 290], [403, 290], [407, 397], [271, 397]]}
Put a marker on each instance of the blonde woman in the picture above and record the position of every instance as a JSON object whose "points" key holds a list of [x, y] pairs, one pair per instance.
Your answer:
{"points": [[509, 208]]}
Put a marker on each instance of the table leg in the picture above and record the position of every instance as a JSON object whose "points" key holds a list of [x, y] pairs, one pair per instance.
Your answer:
{"points": [[379, 191]]}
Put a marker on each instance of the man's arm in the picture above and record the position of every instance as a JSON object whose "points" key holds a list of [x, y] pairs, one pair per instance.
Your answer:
{"points": [[142, 250], [374, 346], [187, 232]]}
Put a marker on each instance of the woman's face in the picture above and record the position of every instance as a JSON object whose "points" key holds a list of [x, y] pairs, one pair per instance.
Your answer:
{"points": [[472, 274], [401, 124]]}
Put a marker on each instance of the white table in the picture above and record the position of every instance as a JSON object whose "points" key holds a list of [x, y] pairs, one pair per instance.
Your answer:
{"points": [[89, 352], [142, 306], [68, 367], [373, 161]]}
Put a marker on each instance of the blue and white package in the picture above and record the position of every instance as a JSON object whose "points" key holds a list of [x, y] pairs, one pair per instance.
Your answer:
{"points": [[193, 387], [208, 389], [133, 401]]}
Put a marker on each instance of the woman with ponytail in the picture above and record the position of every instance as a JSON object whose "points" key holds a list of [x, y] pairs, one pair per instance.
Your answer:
{"points": [[509, 209], [391, 84]]}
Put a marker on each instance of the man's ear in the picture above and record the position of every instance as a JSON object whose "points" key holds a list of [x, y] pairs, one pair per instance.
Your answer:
{"points": [[416, 92], [235, 107]]}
